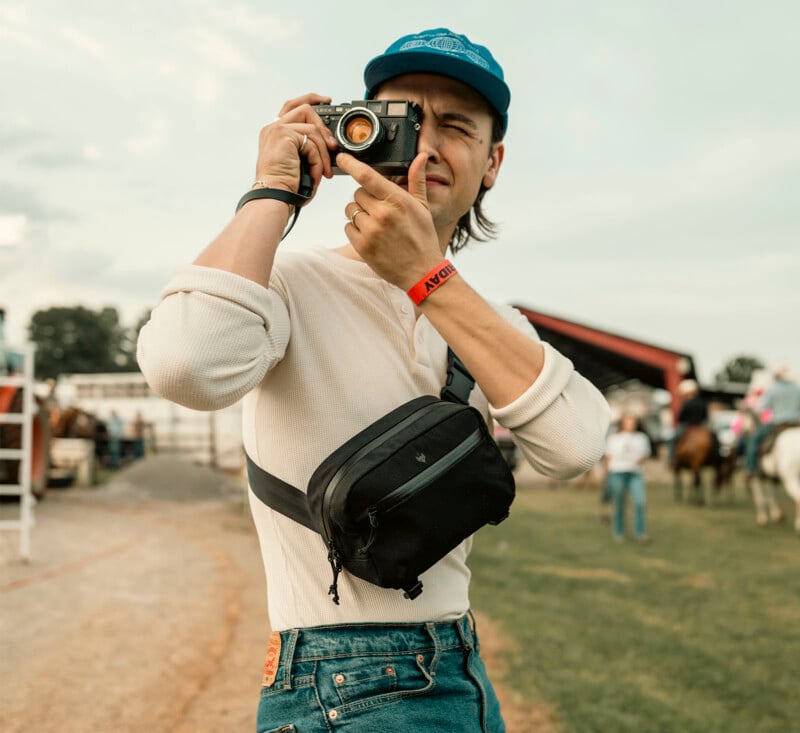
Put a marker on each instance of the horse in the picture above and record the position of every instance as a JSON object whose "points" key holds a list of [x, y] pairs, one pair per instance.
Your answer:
{"points": [[73, 422], [697, 448], [780, 465]]}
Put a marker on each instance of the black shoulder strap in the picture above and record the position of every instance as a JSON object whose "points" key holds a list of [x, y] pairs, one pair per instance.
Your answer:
{"points": [[278, 495], [292, 502], [459, 381]]}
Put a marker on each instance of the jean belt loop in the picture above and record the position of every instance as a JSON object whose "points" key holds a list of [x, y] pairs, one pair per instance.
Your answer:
{"points": [[288, 657], [473, 626], [437, 646]]}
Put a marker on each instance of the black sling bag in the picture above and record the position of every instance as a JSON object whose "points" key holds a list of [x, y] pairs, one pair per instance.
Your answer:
{"points": [[402, 493]]}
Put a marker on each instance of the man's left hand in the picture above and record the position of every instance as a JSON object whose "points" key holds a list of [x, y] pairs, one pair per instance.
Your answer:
{"points": [[391, 228]]}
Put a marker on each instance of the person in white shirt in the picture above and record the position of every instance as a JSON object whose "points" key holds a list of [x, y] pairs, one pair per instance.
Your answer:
{"points": [[626, 451], [321, 343]]}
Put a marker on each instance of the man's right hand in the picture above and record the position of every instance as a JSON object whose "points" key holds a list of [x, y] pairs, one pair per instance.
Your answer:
{"points": [[278, 164], [248, 243]]}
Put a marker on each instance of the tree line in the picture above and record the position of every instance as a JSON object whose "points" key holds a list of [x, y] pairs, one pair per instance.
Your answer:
{"points": [[79, 340]]}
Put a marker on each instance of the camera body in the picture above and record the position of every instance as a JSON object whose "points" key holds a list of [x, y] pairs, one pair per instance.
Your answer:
{"points": [[380, 132]]}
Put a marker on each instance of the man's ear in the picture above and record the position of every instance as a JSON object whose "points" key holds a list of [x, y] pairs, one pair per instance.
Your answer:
{"points": [[493, 164]]}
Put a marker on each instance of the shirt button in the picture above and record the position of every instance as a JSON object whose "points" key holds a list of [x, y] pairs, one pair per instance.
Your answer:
{"points": [[405, 309], [339, 679]]}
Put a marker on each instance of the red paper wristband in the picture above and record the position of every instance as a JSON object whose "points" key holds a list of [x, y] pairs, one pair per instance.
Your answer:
{"points": [[438, 275]]}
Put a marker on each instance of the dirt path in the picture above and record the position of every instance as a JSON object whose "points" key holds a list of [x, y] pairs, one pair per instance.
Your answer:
{"points": [[144, 609]]}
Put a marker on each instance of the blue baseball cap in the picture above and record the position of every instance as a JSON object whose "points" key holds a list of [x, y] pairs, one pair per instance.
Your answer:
{"points": [[440, 51]]}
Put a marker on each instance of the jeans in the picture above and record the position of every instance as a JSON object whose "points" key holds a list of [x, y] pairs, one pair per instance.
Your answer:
{"points": [[752, 446], [115, 451], [621, 483], [379, 677]]}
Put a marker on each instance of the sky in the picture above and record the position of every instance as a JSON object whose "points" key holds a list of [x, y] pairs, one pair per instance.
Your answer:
{"points": [[650, 187]]}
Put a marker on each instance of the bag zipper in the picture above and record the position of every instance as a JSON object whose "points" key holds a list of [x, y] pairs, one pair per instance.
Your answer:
{"points": [[346, 468], [344, 471], [405, 492]]}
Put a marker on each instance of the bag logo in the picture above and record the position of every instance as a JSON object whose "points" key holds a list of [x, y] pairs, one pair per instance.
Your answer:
{"points": [[421, 458]]}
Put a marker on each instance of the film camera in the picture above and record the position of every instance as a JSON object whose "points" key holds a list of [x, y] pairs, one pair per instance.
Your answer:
{"points": [[380, 132]]}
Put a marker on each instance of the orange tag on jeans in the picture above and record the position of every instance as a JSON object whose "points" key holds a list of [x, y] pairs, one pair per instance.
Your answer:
{"points": [[273, 660]]}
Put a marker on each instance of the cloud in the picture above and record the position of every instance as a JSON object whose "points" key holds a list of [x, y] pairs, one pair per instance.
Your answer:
{"points": [[60, 159], [84, 42], [15, 200], [150, 140], [12, 139], [221, 53], [12, 229], [270, 29], [206, 88], [714, 175], [15, 26]]}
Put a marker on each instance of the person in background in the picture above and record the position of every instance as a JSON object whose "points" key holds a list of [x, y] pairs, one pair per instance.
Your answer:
{"points": [[782, 400], [748, 417], [115, 431], [626, 451], [693, 411], [139, 427]]}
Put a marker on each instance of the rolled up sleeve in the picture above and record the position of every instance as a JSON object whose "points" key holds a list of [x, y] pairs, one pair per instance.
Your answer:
{"points": [[212, 338], [560, 422]]}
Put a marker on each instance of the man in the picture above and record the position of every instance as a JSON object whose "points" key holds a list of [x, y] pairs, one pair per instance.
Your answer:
{"points": [[322, 343], [693, 411], [782, 402]]}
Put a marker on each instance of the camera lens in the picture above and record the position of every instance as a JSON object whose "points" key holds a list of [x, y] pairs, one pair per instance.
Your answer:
{"points": [[358, 130]]}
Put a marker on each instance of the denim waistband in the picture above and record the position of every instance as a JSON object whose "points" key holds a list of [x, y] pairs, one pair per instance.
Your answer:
{"points": [[347, 640]]}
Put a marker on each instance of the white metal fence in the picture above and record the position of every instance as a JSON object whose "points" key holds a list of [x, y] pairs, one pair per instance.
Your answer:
{"points": [[21, 486], [206, 438]]}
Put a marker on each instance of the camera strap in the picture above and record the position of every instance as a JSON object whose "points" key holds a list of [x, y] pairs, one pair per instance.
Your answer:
{"points": [[298, 200]]}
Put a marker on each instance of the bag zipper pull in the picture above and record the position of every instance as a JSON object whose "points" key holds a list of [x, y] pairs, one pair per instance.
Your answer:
{"points": [[373, 524], [336, 566]]}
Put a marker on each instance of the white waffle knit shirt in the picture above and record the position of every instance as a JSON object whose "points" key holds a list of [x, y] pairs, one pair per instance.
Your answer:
{"points": [[329, 348]]}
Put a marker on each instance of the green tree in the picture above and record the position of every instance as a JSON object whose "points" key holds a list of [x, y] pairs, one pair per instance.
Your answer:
{"points": [[739, 369], [126, 356], [78, 340]]}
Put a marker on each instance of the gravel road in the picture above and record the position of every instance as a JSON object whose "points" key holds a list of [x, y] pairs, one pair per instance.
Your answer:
{"points": [[144, 609]]}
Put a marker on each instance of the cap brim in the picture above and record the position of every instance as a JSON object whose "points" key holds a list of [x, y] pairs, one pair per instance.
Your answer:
{"points": [[388, 66]]}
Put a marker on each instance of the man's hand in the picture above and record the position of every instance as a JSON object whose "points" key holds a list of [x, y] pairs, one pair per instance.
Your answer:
{"points": [[392, 230], [279, 143], [248, 243]]}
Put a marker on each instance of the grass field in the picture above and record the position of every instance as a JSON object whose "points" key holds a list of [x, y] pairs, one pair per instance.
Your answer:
{"points": [[697, 632]]}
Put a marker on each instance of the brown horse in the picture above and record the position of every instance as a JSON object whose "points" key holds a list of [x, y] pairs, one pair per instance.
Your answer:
{"points": [[697, 448], [73, 422]]}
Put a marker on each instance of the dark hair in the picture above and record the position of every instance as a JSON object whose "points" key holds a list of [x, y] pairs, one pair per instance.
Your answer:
{"points": [[487, 229]]}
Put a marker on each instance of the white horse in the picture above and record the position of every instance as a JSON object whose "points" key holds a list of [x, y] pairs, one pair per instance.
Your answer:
{"points": [[781, 464]]}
